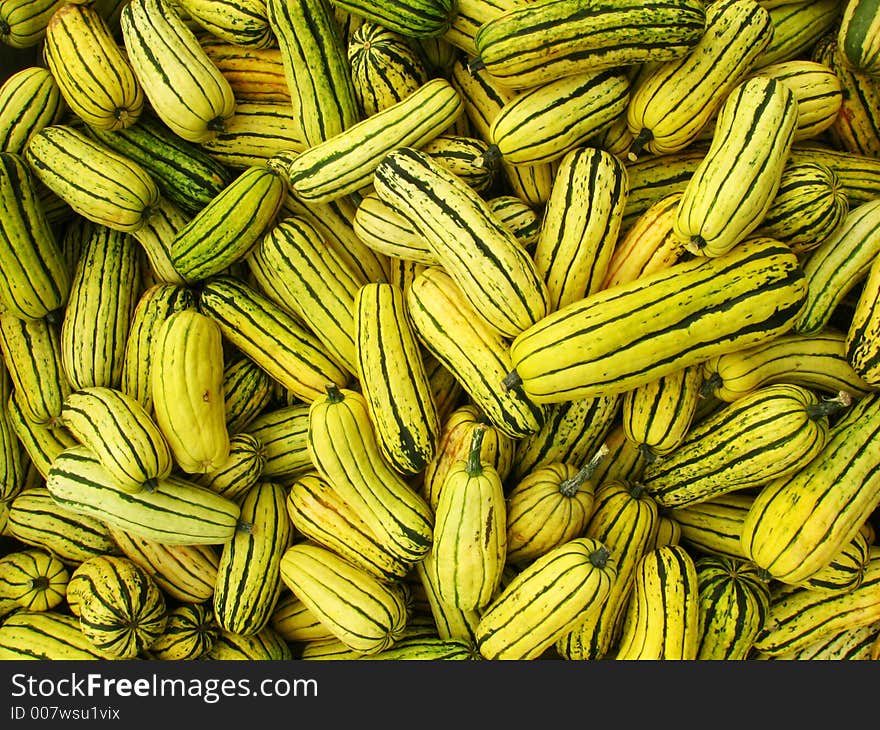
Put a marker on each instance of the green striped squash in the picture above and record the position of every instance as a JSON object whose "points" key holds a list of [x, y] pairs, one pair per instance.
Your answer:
{"points": [[189, 633], [36, 519], [385, 67], [283, 432], [413, 19], [248, 578], [183, 172], [120, 608], [857, 36], [620, 338], [45, 635], [734, 599], [265, 645], [34, 279], [176, 512], [34, 578], [185, 573], [104, 292], [29, 100]]}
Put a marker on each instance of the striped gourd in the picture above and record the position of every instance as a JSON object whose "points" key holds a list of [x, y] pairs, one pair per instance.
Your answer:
{"points": [[768, 434], [241, 470], [34, 578], [104, 292], [295, 622], [662, 619], [580, 225], [176, 512], [464, 156], [155, 238], [254, 74], [121, 433], [625, 519], [863, 334], [384, 229], [314, 283], [97, 182], [798, 524], [453, 443], [248, 578], [818, 90], [185, 573], [32, 356], [797, 27], [120, 608], [470, 531], [620, 338], [449, 327], [189, 633], [548, 506], [282, 432], [364, 613], [346, 162], [186, 380], [184, 88], [385, 67], [244, 23], [93, 73], [258, 131], [184, 173], [537, 42], [429, 648], [45, 635], [344, 450], [657, 416], [656, 176], [856, 644], [29, 100], [856, 126], [714, 526], [34, 279], [23, 22], [450, 622], [469, 16], [545, 122], [799, 617], [672, 102], [857, 36], [520, 217], [486, 261], [36, 519], [445, 389], [483, 99], [668, 531], [14, 455], [846, 570], [817, 361], [730, 192], [319, 513], [838, 265], [734, 603], [316, 67], [228, 228], [545, 600], [392, 375], [413, 19], [648, 245], [155, 304], [265, 645], [262, 330], [247, 390], [857, 173], [808, 208]]}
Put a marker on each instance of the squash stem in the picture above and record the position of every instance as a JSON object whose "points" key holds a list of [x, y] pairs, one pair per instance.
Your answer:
{"points": [[829, 406], [569, 487], [474, 458]]}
